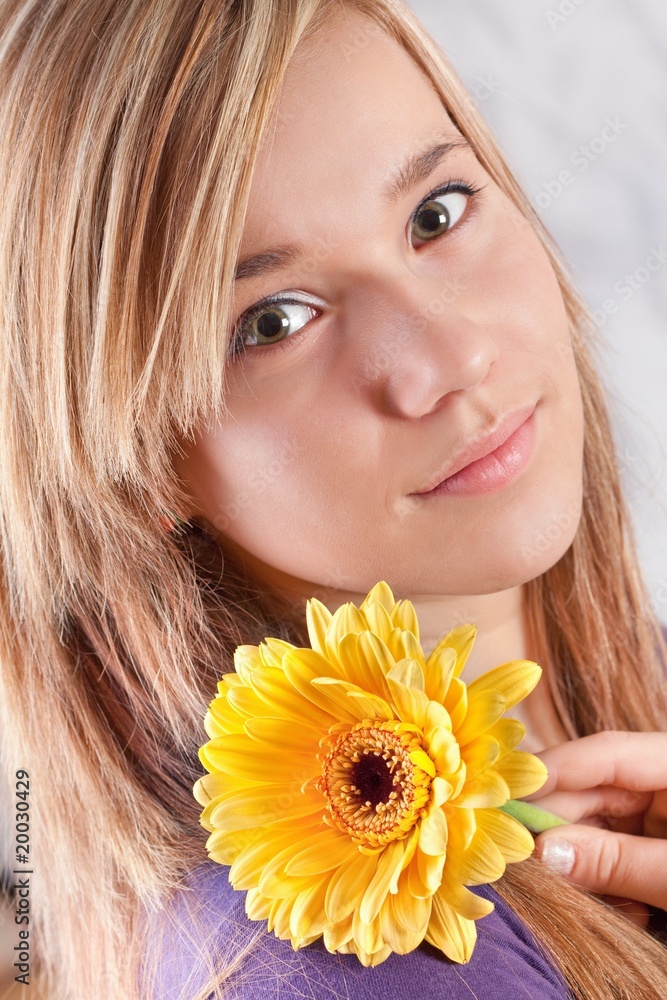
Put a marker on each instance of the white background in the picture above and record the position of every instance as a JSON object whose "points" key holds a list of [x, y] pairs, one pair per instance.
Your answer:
{"points": [[546, 77]]}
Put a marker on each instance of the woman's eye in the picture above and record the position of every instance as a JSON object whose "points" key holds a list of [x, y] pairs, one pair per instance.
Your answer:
{"points": [[271, 323], [441, 211]]}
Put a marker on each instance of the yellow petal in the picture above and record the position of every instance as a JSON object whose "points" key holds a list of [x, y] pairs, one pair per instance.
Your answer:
{"points": [[380, 594], [438, 673], [239, 755], [422, 760], [466, 903], [430, 869], [284, 735], [409, 703], [347, 886], [372, 649], [404, 617], [273, 687], [489, 789], [388, 866], [513, 840], [445, 751], [507, 732], [308, 918], [321, 852], [456, 702], [524, 773], [346, 618], [404, 919], [513, 680], [360, 668], [367, 937], [460, 639], [461, 824], [261, 805], [433, 832], [226, 847], [479, 754], [346, 697], [453, 935], [483, 710], [481, 863], [378, 621], [337, 935], [246, 659], [272, 651], [301, 670], [408, 672], [247, 868], [257, 907], [318, 619]]}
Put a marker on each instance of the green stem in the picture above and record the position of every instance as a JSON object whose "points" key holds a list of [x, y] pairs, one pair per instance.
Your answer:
{"points": [[533, 818]]}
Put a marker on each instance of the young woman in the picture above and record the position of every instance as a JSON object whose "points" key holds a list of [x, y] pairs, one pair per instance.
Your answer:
{"points": [[264, 267]]}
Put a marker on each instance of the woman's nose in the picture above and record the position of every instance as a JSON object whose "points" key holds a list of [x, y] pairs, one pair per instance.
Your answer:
{"points": [[414, 344]]}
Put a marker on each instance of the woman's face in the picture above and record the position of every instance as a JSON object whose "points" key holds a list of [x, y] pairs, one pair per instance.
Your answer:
{"points": [[412, 331]]}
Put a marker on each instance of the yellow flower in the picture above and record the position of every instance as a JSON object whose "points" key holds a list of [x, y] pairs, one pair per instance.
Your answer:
{"points": [[353, 786]]}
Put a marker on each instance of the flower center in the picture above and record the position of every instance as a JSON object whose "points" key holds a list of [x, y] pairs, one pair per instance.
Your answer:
{"points": [[374, 791]]}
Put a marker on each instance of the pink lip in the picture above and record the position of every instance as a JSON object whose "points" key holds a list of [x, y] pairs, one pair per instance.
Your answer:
{"points": [[491, 463]]}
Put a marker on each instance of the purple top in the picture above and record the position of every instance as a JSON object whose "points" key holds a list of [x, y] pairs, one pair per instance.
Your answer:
{"points": [[506, 960]]}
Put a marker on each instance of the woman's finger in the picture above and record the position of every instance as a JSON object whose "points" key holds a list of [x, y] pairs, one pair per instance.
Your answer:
{"points": [[636, 761], [607, 862], [606, 800]]}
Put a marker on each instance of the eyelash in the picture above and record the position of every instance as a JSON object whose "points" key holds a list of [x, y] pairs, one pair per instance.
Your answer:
{"points": [[238, 347]]}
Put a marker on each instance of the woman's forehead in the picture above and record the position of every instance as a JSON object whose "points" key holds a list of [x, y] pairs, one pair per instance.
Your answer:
{"points": [[347, 119]]}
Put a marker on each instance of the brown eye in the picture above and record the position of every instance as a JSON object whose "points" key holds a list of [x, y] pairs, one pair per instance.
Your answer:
{"points": [[437, 215], [271, 323]]}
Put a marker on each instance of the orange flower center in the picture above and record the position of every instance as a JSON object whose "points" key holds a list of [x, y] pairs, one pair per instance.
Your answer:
{"points": [[374, 791]]}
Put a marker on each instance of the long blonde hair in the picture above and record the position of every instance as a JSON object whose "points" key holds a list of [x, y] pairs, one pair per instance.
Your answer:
{"points": [[129, 133]]}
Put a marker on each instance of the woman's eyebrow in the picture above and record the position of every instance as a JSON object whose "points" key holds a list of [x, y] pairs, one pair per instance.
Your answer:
{"points": [[417, 168]]}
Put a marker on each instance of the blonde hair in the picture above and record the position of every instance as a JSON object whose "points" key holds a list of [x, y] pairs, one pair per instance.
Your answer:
{"points": [[130, 132]]}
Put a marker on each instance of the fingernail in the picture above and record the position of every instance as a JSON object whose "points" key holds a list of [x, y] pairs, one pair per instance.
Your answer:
{"points": [[558, 854]]}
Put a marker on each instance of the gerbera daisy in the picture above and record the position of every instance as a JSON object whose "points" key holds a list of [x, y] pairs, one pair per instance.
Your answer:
{"points": [[353, 786]]}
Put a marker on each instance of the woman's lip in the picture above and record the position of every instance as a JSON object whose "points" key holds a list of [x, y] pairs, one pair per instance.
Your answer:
{"points": [[510, 451]]}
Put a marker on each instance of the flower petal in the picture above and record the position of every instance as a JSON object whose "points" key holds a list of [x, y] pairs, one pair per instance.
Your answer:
{"points": [[488, 789], [481, 863], [389, 864], [483, 710], [274, 687], [479, 755], [348, 884], [239, 755], [513, 840], [308, 918], [321, 852], [454, 935], [513, 680], [433, 832], [466, 903], [405, 617], [261, 805], [318, 619], [460, 639], [438, 673], [524, 773]]}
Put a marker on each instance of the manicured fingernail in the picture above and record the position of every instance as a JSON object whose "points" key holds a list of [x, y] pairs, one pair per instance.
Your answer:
{"points": [[558, 854]]}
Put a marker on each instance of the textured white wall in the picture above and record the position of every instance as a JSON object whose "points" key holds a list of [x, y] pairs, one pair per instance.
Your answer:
{"points": [[549, 77]]}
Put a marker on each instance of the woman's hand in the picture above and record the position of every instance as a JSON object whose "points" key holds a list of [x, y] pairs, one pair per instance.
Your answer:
{"points": [[612, 786]]}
